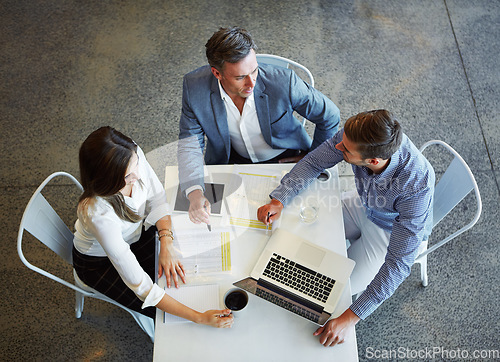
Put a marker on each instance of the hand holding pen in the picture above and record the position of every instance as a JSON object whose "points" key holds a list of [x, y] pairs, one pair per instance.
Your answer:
{"points": [[209, 226], [267, 222], [270, 212]]}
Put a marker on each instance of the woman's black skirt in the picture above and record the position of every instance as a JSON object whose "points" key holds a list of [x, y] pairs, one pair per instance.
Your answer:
{"points": [[100, 274]]}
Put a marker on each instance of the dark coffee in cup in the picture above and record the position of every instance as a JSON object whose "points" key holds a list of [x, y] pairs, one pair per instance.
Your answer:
{"points": [[236, 299]]}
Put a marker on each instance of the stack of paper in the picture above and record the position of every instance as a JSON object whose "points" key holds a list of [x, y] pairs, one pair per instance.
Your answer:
{"points": [[249, 196], [203, 251]]}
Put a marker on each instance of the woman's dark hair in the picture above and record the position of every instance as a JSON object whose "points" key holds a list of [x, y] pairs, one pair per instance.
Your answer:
{"points": [[377, 133], [228, 45], [104, 157]]}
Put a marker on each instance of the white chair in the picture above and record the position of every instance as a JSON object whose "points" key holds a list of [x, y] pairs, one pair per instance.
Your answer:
{"points": [[456, 183], [41, 221], [285, 63]]}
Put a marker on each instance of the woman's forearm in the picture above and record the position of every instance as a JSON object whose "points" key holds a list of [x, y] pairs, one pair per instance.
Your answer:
{"points": [[165, 232], [172, 306]]}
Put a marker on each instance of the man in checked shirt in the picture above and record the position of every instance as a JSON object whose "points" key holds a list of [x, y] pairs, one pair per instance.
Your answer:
{"points": [[387, 221]]}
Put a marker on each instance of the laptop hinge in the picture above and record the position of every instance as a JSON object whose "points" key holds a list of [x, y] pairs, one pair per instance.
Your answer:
{"points": [[293, 297]]}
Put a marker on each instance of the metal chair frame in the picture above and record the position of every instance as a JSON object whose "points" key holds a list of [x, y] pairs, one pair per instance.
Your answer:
{"points": [[456, 183], [41, 221]]}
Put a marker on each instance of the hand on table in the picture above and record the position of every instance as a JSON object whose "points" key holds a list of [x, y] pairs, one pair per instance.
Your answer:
{"points": [[335, 330], [199, 207], [217, 318], [270, 212], [169, 264]]}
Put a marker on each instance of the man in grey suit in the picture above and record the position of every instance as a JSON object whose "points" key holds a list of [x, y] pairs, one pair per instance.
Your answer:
{"points": [[245, 111]]}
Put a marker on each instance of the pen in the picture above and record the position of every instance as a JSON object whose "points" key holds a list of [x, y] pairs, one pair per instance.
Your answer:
{"points": [[267, 225], [209, 227]]}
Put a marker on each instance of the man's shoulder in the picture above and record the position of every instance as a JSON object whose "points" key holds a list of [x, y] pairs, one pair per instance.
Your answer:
{"points": [[269, 71], [199, 82], [274, 80], [413, 166], [200, 73], [412, 154]]}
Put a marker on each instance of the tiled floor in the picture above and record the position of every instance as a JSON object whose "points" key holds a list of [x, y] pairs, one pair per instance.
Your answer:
{"points": [[68, 67]]}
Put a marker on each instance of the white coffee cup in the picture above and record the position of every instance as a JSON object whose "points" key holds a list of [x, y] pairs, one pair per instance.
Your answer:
{"points": [[235, 299]]}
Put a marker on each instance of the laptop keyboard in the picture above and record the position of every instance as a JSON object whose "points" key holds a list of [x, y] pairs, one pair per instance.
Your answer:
{"points": [[298, 277], [287, 305]]}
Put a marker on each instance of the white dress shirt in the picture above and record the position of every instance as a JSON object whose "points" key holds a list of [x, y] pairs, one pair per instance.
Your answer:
{"points": [[244, 130], [100, 232]]}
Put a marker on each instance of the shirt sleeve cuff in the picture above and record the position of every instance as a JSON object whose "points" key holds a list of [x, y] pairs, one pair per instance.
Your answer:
{"points": [[192, 188], [364, 306], [277, 195], [155, 295], [156, 214]]}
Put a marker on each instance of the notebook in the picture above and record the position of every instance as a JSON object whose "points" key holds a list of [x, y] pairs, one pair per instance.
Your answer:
{"points": [[197, 297], [299, 276]]}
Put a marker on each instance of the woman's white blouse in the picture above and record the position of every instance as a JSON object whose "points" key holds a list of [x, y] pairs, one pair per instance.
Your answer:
{"points": [[102, 233]]}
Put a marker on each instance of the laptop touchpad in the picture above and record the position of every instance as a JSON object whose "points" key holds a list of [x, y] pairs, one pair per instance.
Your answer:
{"points": [[310, 254]]}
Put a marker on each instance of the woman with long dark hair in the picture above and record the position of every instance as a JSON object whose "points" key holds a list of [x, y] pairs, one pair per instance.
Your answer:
{"points": [[122, 206]]}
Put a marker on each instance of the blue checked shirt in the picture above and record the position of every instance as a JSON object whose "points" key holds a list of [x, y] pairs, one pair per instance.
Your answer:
{"points": [[398, 200]]}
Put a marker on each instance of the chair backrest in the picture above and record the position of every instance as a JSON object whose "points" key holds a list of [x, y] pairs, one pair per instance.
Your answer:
{"points": [[285, 63], [41, 221], [456, 183]]}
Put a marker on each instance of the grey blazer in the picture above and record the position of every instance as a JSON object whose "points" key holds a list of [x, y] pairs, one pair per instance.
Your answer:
{"points": [[278, 93]]}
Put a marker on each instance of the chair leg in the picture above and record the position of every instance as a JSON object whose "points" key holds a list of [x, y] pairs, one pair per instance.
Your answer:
{"points": [[79, 304], [423, 271], [147, 324]]}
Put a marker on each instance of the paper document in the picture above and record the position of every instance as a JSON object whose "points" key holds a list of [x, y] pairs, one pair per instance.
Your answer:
{"points": [[203, 251], [250, 195], [198, 297]]}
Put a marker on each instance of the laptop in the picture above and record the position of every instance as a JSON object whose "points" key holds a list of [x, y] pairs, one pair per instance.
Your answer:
{"points": [[299, 276]]}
